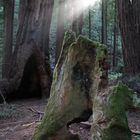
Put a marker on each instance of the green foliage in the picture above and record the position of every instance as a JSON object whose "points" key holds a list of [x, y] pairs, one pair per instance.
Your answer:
{"points": [[136, 101], [114, 76], [95, 22], [118, 103], [135, 79], [8, 111], [133, 82], [96, 26], [122, 95]]}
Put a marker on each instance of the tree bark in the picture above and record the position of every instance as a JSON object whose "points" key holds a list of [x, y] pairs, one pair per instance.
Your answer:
{"points": [[8, 40], [104, 21], [129, 15], [30, 73], [115, 39], [109, 113], [60, 29], [89, 23], [72, 88]]}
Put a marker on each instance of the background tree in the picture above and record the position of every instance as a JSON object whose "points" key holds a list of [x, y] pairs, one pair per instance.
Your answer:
{"points": [[30, 72], [129, 22], [1, 34], [8, 40], [60, 28], [89, 23], [104, 21], [77, 21], [115, 38]]}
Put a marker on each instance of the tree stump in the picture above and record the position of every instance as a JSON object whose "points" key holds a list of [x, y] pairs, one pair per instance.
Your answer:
{"points": [[109, 114], [72, 87]]}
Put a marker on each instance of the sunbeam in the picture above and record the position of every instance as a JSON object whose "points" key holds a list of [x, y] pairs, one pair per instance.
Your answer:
{"points": [[77, 7], [85, 3]]}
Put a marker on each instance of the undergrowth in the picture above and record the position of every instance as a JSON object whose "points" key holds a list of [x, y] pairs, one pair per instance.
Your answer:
{"points": [[136, 137], [136, 101], [8, 111], [114, 75]]}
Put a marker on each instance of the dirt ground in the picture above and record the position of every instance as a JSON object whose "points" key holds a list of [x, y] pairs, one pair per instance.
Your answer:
{"points": [[28, 114]]}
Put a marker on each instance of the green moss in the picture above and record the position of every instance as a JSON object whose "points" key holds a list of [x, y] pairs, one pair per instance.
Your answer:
{"points": [[69, 38], [101, 49], [101, 52], [85, 41], [118, 103], [55, 118], [52, 122], [120, 99], [116, 132]]}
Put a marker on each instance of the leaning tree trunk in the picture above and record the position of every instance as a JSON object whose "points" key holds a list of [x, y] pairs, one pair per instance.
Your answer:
{"points": [[70, 100], [30, 72]]}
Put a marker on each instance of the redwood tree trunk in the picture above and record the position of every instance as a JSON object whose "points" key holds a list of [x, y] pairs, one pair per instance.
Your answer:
{"points": [[104, 21], [77, 24], [115, 40], [129, 22], [8, 25], [60, 29], [30, 73], [89, 16]]}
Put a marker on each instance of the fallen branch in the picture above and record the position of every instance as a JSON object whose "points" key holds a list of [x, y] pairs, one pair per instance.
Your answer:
{"points": [[28, 124], [35, 111], [135, 132]]}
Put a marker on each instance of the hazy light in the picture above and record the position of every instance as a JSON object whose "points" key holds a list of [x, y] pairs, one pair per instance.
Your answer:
{"points": [[79, 6], [86, 3], [74, 8]]}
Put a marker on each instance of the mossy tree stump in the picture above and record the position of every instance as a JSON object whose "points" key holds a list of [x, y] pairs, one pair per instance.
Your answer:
{"points": [[109, 113], [72, 88]]}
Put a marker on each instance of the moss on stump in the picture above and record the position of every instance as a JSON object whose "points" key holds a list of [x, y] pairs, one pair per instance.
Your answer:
{"points": [[109, 114]]}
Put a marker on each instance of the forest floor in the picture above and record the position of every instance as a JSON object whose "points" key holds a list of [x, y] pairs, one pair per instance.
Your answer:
{"points": [[26, 115]]}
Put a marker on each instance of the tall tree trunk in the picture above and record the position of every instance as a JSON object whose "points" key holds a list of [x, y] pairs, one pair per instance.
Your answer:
{"points": [[77, 24], [8, 40], [30, 73], [80, 23], [89, 23], [60, 29], [115, 39], [104, 21], [129, 22]]}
